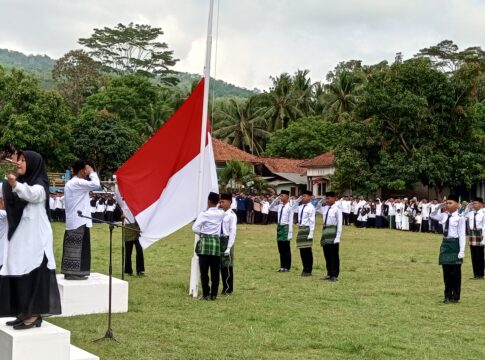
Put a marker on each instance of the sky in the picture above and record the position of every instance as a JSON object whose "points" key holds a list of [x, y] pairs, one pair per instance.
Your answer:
{"points": [[253, 39]]}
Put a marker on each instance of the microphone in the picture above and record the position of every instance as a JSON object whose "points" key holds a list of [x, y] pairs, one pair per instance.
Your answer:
{"points": [[79, 213]]}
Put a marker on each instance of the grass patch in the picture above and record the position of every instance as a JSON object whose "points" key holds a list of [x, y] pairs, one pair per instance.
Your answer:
{"points": [[386, 305]]}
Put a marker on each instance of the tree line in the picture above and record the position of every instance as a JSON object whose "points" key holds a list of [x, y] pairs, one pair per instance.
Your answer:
{"points": [[389, 124]]}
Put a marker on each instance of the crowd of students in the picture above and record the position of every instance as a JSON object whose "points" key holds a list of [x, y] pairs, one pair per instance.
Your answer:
{"points": [[406, 214]]}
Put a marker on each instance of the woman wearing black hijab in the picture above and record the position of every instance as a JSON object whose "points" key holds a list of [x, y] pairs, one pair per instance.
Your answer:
{"points": [[28, 285]]}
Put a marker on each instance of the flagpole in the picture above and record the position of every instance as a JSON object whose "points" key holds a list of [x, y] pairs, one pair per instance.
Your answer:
{"points": [[194, 273]]}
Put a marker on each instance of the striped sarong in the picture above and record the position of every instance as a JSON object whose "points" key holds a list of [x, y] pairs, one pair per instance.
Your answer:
{"points": [[474, 237], [282, 232], [226, 261], [302, 240], [450, 247], [131, 235], [208, 245], [328, 235]]}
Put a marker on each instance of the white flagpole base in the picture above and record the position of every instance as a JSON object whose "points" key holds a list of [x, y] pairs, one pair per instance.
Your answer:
{"points": [[194, 277]]}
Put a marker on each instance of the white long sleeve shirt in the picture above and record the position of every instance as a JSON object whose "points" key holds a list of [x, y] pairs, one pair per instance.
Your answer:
{"points": [[478, 219], [285, 214], [3, 233], [209, 222], [456, 225], [76, 198], [306, 217], [32, 238], [229, 227], [334, 218]]}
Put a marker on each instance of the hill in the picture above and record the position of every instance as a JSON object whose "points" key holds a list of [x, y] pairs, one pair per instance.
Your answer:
{"points": [[41, 66]]}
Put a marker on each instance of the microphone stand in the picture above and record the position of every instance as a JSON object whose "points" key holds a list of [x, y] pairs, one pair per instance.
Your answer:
{"points": [[109, 333]]}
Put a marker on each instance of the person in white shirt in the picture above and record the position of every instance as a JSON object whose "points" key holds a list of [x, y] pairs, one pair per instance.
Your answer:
{"points": [[380, 219], [110, 208], [306, 229], [228, 238], [76, 254], [28, 283], [391, 212], [52, 206], [3, 225], [284, 230], [332, 231], [208, 248], [264, 211], [452, 250], [345, 206], [475, 224], [425, 208]]}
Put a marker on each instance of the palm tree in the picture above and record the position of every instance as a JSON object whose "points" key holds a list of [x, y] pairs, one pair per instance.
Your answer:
{"points": [[236, 174], [342, 93], [282, 106], [241, 123], [302, 91]]}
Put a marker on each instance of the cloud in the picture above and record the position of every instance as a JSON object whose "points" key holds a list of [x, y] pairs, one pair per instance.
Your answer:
{"points": [[256, 38]]}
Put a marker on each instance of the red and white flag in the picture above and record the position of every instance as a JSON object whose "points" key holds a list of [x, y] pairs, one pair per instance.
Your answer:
{"points": [[160, 182]]}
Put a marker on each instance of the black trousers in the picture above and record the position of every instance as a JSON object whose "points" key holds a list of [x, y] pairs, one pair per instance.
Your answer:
{"points": [[346, 218], [452, 279], [264, 219], [227, 275], [332, 259], [140, 261], [285, 254], [425, 226], [307, 259], [478, 263], [212, 263]]}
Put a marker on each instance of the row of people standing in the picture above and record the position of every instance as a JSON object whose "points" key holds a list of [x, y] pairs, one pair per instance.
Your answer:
{"points": [[306, 212]]}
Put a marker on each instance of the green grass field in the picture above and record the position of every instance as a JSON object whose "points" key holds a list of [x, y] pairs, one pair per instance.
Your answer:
{"points": [[387, 303]]}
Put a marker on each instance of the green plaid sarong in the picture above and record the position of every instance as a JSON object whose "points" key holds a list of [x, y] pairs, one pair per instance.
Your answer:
{"points": [[226, 261], [282, 232], [302, 240], [208, 245], [328, 235], [130, 235], [450, 247], [474, 237]]}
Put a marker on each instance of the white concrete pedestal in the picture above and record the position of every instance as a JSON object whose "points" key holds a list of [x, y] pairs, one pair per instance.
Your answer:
{"points": [[49, 342], [82, 297]]}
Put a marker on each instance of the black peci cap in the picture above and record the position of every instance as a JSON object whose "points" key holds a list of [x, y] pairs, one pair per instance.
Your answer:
{"points": [[214, 197]]}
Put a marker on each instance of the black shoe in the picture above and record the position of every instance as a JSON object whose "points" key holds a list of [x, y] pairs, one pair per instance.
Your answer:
{"points": [[203, 297], [140, 273], [305, 274], [284, 270], [325, 278], [14, 322], [213, 297], [447, 301], [280, 270], [332, 279], [22, 326], [477, 278]]}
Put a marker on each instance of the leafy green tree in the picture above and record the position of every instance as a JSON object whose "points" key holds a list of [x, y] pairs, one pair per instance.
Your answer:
{"points": [[132, 49], [100, 137], [34, 119], [137, 102], [241, 123], [77, 76], [304, 138], [414, 123]]}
